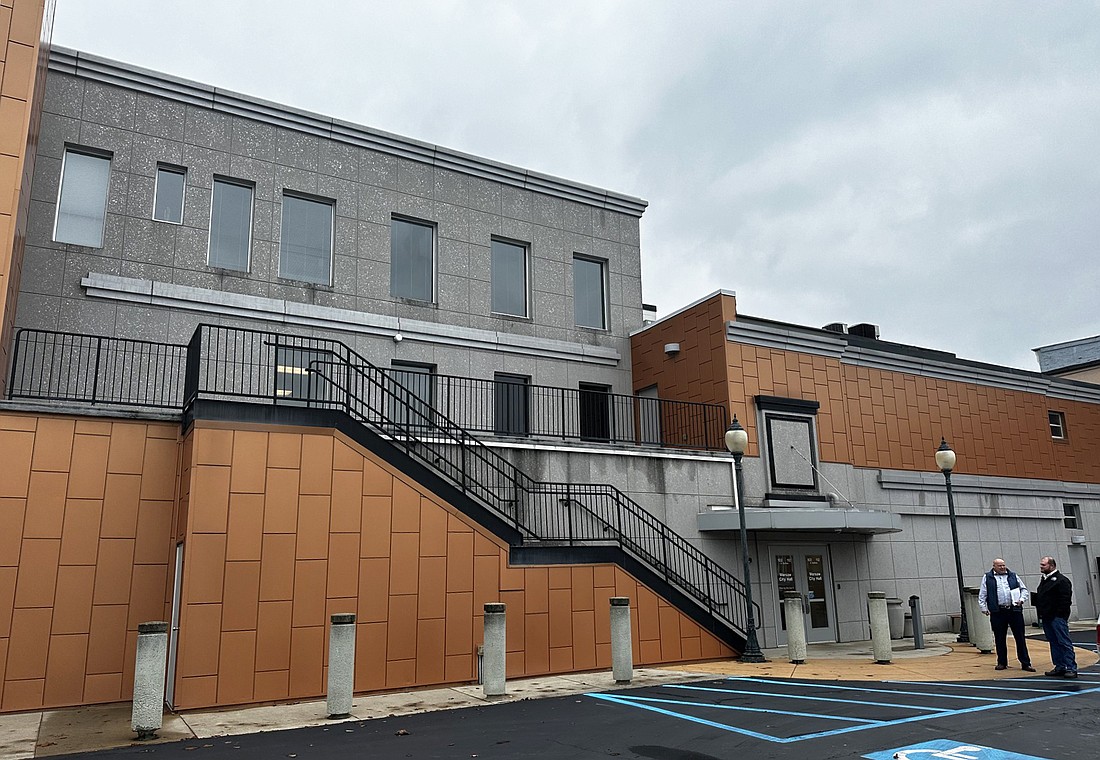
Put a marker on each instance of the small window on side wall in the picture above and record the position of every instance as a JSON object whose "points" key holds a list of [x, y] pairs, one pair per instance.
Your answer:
{"points": [[1072, 516], [306, 250], [1057, 425], [168, 195], [82, 198], [509, 277]]}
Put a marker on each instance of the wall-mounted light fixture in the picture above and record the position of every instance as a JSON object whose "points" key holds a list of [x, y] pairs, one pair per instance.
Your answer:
{"points": [[671, 349]]}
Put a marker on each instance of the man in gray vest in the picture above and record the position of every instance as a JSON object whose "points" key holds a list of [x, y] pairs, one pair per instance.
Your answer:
{"points": [[1002, 596]]}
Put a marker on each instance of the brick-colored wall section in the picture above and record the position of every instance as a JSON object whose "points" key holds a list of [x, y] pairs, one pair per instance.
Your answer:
{"points": [[85, 533], [286, 527], [698, 371], [25, 29], [870, 417]]}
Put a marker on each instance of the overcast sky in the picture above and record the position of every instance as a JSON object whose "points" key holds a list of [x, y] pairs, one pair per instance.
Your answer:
{"points": [[930, 167]]}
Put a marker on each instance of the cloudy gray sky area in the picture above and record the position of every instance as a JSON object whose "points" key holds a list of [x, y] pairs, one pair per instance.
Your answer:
{"points": [[929, 167]]}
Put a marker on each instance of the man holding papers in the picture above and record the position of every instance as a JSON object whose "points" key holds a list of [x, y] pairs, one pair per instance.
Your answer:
{"points": [[1002, 596]]}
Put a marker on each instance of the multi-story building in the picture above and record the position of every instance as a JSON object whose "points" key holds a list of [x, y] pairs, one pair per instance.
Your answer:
{"points": [[262, 366]]}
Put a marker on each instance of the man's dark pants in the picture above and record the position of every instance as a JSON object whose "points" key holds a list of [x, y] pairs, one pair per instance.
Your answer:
{"points": [[1000, 620]]}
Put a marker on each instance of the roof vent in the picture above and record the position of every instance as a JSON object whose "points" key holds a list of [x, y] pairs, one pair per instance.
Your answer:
{"points": [[837, 327], [864, 330]]}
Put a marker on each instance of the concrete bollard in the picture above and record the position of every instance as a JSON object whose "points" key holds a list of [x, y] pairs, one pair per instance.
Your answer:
{"points": [[880, 627], [341, 664], [977, 625], [622, 652], [796, 627], [152, 656], [494, 659]]}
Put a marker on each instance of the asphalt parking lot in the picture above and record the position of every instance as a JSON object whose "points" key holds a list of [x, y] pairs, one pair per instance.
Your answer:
{"points": [[744, 717]]}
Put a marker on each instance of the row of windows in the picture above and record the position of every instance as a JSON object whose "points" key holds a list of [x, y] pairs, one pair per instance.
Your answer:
{"points": [[307, 238]]}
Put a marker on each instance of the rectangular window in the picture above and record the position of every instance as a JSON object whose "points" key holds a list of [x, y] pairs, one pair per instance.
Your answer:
{"points": [[413, 388], [306, 250], [1073, 516], [306, 374], [230, 225], [511, 404], [589, 298], [168, 195], [595, 412], [1057, 424], [509, 278], [789, 442], [412, 260], [82, 199]]}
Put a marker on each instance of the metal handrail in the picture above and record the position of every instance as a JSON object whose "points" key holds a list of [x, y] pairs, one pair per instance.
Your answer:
{"points": [[65, 366], [238, 364]]}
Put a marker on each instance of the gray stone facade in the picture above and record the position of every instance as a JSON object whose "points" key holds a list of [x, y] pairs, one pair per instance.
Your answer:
{"points": [[151, 280]]}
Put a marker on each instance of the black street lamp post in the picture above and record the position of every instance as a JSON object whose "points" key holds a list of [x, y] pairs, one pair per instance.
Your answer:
{"points": [[945, 460], [737, 440]]}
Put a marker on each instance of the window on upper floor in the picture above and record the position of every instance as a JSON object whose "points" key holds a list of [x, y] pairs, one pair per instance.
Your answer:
{"points": [[511, 404], [305, 253], [168, 194], [412, 401], [412, 260], [509, 278], [82, 198], [230, 224], [789, 442], [589, 292], [1057, 422], [1072, 516]]}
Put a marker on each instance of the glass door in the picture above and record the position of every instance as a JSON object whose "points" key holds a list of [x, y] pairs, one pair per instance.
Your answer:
{"points": [[805, 571]]}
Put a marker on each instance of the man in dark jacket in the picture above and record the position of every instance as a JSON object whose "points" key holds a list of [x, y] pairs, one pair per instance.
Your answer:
{"points": [[1052, 600]]}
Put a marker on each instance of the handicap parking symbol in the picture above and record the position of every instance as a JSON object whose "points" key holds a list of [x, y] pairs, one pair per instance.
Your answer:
{"points": [[947, 749]]}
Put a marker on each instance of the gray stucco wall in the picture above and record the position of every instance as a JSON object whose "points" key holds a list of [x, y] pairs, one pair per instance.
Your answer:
{"points": [[141, 128]]}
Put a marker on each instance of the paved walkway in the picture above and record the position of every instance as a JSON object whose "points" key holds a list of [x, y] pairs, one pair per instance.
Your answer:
{"points": [[82, 729]]}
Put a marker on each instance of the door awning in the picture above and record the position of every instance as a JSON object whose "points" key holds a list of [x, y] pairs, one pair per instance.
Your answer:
{"points": [[801, 519]]}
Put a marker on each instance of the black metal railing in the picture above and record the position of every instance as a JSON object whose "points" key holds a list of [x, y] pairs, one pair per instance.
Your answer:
{"points": [[91, 369], [512, 407], [264, 367]]}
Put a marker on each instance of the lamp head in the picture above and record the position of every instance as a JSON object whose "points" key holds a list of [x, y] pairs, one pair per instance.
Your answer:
{"points": [[945, 457], [737, 439]]}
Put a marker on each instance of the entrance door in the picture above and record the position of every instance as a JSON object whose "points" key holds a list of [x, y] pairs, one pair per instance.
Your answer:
{"points": [[805, 570], [1081, 574], [174, 630]]}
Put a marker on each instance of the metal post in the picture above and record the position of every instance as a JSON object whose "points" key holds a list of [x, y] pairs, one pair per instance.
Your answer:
{"points": [[964, 632], [752, 651]]}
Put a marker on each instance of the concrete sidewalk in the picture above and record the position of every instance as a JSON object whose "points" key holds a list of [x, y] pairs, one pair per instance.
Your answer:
{"points": [[83, 729]]}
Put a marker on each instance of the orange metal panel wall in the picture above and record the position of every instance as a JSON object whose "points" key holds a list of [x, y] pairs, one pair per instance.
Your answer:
{"points": [[286, 527], [25, 28], [870, 417], [85, 519]]}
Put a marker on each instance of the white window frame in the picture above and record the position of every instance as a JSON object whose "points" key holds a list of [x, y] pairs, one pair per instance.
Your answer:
{"points": [[169, 169], [1057, 422], [251, 218], [331, 203], [90, 153]]}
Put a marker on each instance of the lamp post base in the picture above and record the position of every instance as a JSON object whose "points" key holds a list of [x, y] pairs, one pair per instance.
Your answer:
{"points": [[752, 651]]}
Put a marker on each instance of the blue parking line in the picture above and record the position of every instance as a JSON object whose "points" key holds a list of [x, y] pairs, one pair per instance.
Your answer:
{"points": [[865, 688], [804, 696], [742, 708], [640, 702], [998, 687]]}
